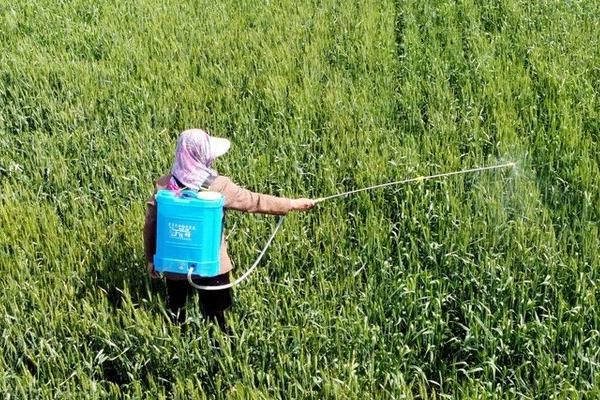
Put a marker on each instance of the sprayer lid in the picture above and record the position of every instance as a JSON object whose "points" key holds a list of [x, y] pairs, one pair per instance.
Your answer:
{"points": [[207, 195]]}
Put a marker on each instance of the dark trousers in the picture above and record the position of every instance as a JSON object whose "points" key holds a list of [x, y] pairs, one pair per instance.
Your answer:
{"points": [[213, 303]]}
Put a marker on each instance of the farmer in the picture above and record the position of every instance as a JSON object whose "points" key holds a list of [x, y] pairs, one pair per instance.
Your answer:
{"points": [[196, 150]]}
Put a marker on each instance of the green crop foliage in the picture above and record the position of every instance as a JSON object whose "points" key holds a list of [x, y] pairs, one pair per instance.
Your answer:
{"points": [[474, 286]]}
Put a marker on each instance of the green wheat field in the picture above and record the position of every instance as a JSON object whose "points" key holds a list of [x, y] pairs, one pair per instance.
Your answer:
{"points": [[475, 286]]}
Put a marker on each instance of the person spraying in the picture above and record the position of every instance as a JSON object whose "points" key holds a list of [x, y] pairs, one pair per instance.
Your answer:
{"points": [[192, 170]]}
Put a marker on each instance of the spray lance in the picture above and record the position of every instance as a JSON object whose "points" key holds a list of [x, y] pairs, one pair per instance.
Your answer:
{"points": [[417, 179], [185, 227]]}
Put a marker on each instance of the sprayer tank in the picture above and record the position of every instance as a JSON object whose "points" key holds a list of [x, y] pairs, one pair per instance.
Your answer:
{"points": [[188, 232]]}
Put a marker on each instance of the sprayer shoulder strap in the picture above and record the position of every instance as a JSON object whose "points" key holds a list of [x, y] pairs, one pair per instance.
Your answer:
{"points": [[207, 182], [205, 185]]}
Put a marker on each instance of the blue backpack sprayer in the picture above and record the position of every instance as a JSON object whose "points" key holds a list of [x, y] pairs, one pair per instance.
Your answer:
{"points": [[188, 232], [188, 236], [190, 225]]}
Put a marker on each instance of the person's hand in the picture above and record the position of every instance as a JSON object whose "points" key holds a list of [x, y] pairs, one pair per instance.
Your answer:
{"points": [[151, 271], [303, 204]]}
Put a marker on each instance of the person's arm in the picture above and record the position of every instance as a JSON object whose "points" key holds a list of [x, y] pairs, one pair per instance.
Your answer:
{"points": [[238, 198], [150, 236]]}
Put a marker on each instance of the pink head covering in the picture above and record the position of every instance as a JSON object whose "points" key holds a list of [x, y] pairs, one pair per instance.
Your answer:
{"points": [[195, 152]]}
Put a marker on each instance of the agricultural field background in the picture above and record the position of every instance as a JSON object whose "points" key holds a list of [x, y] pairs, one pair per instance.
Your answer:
{"points": [[476, 286]]}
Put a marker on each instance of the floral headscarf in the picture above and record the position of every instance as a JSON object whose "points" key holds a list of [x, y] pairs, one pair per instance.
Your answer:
{"points": [[195, 152]]}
